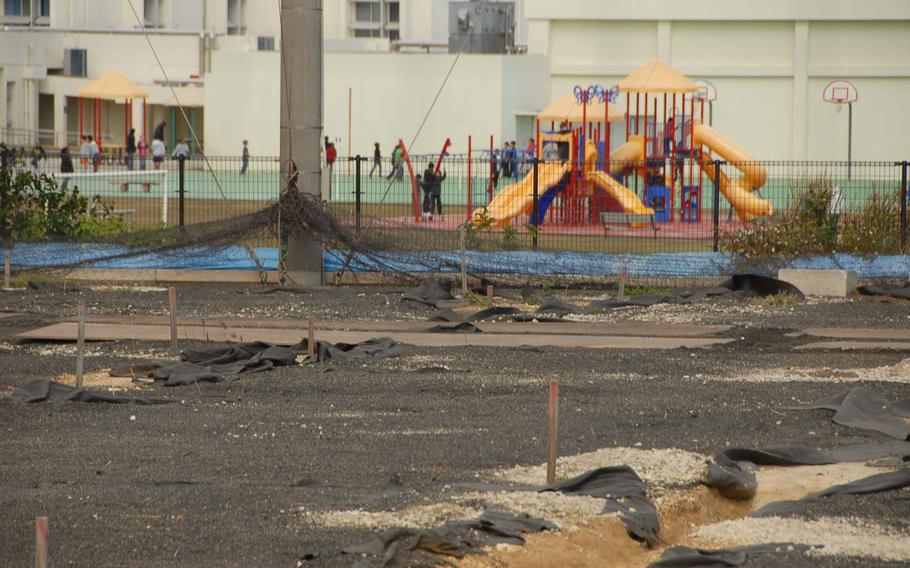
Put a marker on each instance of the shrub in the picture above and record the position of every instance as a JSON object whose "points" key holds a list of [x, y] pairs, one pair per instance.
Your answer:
{"points": [[809, 227], [33, 207]]}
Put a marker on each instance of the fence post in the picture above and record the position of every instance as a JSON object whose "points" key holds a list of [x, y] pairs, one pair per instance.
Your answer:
{"points": [[904, 165], [715, 213], [181, 188], [535, 207], [357, 192]]}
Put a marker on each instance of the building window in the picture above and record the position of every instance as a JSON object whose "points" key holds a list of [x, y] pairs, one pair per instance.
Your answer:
{"points": [[17, 8], [375, 18], [393, 13], [75, 63], [152, 14], [367, 12], [265, 43], [366, 33], [44, 9], [235, 17]]}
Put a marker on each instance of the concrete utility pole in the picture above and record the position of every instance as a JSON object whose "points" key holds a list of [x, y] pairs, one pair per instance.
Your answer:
{"points": [[301, 120]]}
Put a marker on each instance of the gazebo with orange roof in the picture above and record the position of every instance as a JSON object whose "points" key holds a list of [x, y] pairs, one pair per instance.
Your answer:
{"points": [[654, 79], [112, 86]]}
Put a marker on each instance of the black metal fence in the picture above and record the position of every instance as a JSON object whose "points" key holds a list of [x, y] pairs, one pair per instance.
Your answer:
{"points": [[149, 193], [627, 206], [616, 207]]}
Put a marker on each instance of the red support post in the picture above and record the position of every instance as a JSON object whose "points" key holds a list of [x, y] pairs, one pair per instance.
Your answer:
{"points": [[628, 115], [470, 211], [637, 113], [492, 165], [607, 133]]}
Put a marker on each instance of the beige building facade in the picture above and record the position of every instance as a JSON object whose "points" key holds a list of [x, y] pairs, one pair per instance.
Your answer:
{"points": [[769, 62]]}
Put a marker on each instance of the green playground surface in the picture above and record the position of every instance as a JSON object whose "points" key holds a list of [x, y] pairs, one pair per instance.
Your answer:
{"points": [[265, 186]]}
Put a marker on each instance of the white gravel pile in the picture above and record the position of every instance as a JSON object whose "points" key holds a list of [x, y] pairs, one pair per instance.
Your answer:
{"points": [[838, 536], [421, 517], [657, 468]]}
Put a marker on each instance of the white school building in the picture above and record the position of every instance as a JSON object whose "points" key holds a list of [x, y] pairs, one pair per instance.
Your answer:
{"points": [[385, 60]]}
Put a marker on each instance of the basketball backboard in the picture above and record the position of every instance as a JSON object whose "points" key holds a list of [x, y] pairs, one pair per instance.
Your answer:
{"points": [[840, 92]]}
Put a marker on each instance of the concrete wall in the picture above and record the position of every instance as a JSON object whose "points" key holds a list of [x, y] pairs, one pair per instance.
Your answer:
{"points": [[770, 62], [241, 102], [391, 93]]}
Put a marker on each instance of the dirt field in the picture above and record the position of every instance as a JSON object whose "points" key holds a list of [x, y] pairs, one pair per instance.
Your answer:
{"points": [[284, 468]]}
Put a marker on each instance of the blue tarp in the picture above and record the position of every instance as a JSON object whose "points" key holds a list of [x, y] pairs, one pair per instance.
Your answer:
{"points": [[542, 263]]}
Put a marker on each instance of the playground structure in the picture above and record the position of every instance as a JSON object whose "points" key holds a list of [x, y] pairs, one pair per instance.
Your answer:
{"points": [[654, 175]]}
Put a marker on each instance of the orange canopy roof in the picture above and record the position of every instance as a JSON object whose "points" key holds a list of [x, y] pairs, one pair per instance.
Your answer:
{"points": [[568, 108], [112, 86], [657, 77]]}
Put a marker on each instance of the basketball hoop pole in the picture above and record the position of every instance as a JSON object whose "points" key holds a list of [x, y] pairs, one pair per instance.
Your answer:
{"points": [[849, 141], [710, 113]]}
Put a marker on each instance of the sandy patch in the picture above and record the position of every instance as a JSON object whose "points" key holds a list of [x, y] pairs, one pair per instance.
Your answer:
{"points": [[897, 373], [100, 379], [838, 536], [657, 468], [565, 511]]}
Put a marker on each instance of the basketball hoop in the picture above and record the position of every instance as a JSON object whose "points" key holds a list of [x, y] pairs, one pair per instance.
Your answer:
{"points": [[706, 91], [840, 92]]}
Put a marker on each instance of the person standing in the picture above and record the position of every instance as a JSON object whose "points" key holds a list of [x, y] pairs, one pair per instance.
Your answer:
{"points": [[396, 161], [158, 152], [143, 151], [85, 152], [95, 152], [5, 156], [245, 158], [38, 154], [330, 156], [377, 160], [182, 150], [426, 184], [159, 131], [130, 148], [436, 194], [66, 166]]}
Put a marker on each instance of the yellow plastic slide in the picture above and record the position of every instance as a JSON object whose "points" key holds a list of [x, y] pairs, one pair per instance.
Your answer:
{"points": [[518, 198], [739, 191], [629, 202]]}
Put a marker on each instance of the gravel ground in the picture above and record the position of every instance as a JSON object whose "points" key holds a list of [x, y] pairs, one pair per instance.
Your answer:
{"points": [[231, 474]]}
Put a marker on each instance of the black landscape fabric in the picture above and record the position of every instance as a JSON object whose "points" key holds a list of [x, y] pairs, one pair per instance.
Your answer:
{"points": [[374, 348], [212, 365], [461, 327], [454, 539], [44, 390], [496, 312], [686, 557], [873, 484], [732, 472], [886, 290], [860, 408], [430, 292], [625, 493]]}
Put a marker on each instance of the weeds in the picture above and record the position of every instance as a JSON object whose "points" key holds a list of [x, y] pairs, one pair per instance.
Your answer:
{"points": [[815, 225]]}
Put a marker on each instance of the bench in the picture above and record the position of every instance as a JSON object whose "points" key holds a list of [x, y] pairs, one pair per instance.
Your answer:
{"points": [[616, 218], [125, 185]]}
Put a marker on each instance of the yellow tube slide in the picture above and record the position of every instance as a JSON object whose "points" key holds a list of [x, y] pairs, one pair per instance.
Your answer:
{"points": [[518, 198], [627, 199], [738, 191], [627, 155]]}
